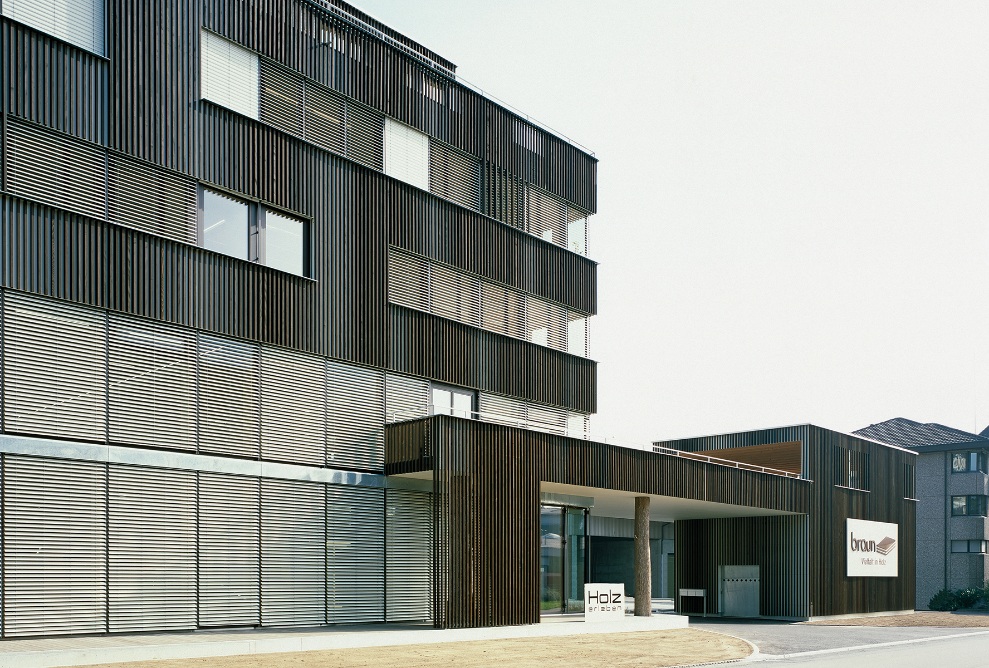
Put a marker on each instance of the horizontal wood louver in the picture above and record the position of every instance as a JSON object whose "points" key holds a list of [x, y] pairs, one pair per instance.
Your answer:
{"points": [[325, 119], [504, 196], [547, 418], [55, 169], [281, 100], [503, 310], [229, 410], [293, 401], [406, 398], [409, 532], [355, 411], [408, 280], [293, 553], [54, 548], [152, 556], [355, 555], [151, 199], [547, 216], [152, 389], [365, 135], [454, 294], [229, 550], [229, 74], [502, 410], [80, 23], [454, 175], [406, 154], [54, 377]]}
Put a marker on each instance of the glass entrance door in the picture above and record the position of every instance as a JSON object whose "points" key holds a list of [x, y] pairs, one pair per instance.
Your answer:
{"points": [[563, 558]]}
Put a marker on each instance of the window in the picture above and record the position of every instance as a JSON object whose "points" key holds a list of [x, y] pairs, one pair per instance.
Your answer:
{"points": [[851, 469], [452, 401], [229, 74], [78, 22], [963, 462], [973, 504], [406, 154], [976, 546], [250, 231]]}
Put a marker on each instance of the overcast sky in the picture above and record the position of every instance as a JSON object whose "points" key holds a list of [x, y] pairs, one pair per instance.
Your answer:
{"points": [[793, 217]]}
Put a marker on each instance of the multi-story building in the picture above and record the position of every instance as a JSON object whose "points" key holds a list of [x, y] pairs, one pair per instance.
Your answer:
{"points": [[294, 332], [952, 494]]}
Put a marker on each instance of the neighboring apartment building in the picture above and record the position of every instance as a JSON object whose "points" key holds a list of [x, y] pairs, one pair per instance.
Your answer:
{"points": [[294, 332], [952, 493]]}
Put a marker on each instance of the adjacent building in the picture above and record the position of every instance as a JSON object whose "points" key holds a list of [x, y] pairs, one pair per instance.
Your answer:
{"points": [[294, 332], [952, 493]]}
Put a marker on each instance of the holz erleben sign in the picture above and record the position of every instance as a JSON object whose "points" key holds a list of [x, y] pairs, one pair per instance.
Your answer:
{"points": [[872, 549], [604, 602]]}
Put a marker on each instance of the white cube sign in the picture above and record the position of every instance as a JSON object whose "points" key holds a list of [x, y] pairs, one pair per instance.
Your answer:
{"points": [[872, 549], [604, 602]]}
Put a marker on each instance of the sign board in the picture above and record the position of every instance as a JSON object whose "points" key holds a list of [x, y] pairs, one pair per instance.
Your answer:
{"points": [[872, 549], [604, 602]]}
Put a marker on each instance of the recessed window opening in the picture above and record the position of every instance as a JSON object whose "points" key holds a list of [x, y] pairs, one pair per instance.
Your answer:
{"points": [[455, 401], [964, 462]]}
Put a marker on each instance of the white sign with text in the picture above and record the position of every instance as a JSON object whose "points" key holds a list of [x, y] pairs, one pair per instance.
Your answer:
{"points": [[604, 602], [872, 549]]}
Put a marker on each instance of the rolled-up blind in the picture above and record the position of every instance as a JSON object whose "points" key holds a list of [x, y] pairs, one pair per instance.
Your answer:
{"points": [[54, 378], [78, 22], [151, 199], [152, 559], [230, 74], [229, 543], [293, 553], [293, 405], [152, 384], [409, 531], [229, 396], [355, 417], [355, 555], [406, 154], [55, 168], [54, 548]]}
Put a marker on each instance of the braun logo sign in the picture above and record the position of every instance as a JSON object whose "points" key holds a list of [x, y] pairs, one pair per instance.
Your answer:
{"points": [[604, 602], [871, 549]]}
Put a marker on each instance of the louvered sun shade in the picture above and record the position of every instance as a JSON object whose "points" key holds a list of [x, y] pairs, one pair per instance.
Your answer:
{"points": [[229, 74], [152, 384], [78, 22], [229, 397], [293, 553], [454, 175], [292, 407], [406, 398], [229, 543], [151, 199], [516, 413], [152, 560], [408, 528], [406, 154], [55, 169], [547, 216], [282, 98], [54, 547], [355, 411], [54, 368], [355, 554]]}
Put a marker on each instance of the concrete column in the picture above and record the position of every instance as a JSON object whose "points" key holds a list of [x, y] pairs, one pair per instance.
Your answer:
{"points": [[643, 562]]}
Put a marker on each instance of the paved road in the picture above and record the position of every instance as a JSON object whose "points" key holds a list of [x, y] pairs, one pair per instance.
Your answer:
{"points": [[778, 639], [966, 651]]}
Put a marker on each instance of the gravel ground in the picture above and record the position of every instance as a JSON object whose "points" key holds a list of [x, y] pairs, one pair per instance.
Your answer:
{"points": [[962, 620], [628, 650]]}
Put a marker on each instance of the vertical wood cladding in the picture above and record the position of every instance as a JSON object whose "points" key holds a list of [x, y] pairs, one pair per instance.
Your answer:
{"points": [[426, 345]]}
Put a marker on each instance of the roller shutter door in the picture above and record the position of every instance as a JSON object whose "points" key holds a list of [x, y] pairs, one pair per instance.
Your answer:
{"points": [[152, 200], [410, 556], [152, 384], [406, 398], [293, 553], [293, 405], [56, 169], [152, 549], [355, 554], [54, 368], [355, 417], [229, 543], [229, 397], [54, 547]]}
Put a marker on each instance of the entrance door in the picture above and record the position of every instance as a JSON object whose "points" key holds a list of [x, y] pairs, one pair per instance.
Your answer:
{"points": [[563, 558]]}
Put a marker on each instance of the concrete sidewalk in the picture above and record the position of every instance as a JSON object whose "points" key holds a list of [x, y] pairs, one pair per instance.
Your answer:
{"points": [[77, 651]]}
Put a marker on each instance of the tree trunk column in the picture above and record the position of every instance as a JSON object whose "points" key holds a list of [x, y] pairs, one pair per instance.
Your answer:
{"points": [[643, 562]]}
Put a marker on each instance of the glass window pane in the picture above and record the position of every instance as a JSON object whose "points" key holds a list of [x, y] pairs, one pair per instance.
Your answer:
{"points": [[226, 225], [959, 546], [958, 505], [285, 243], [463, 404], [442, 402]]}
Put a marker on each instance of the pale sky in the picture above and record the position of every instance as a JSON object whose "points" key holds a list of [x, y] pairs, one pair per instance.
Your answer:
{"points": [[793, 212]]}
